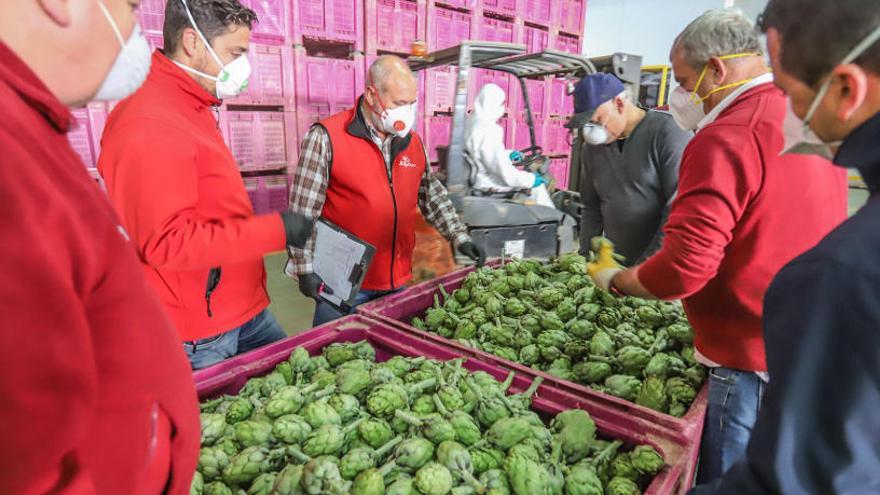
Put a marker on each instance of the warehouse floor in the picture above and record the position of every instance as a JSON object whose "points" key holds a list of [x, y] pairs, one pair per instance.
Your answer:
{"points": [[294, 311]]}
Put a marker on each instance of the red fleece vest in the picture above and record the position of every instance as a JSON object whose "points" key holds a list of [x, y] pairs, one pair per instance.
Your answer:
{"points": [[362, 199]]}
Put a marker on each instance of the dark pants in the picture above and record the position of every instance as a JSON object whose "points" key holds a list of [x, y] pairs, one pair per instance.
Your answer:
{"points": [[734, 401], [325, 312], [261, 330]]}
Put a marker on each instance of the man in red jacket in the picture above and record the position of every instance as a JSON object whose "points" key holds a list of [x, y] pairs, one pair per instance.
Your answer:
{"points": [[366, 171], [742, 212], [179, 192], [97, 395]]}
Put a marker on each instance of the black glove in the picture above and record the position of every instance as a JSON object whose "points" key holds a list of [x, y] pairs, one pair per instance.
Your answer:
{"points": [[312, 286], [473, 252], [297, 228]]}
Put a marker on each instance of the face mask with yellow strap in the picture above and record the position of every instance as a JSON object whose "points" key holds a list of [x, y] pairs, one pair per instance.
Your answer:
{"points": [[696, 97]]}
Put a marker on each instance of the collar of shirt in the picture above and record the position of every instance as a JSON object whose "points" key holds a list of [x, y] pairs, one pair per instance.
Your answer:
{"points": [[167, 74], [23, 81], [729, 99], [861, 150]]}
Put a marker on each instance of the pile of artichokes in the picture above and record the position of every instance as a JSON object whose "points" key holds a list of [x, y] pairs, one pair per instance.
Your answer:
{"points": [[340, 423], [551, 317]]}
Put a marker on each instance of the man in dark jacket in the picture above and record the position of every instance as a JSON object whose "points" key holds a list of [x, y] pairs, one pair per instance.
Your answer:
{"points": [[818, 428]]}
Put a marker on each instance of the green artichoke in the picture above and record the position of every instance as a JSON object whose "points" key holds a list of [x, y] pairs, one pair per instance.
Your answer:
{"points": [[466, 430], [649, 316], [300, 364], [527, 477], [622, 467], [262, 484], [291, 429], [321, 476], [583, 480], [252, 433], [624, 386], [347, 406], [486, 458], [338, 353], [352, 382], [371, 481], [288, 480], [495, 482], [457, 459], [239, 410], [375, 432], [402, 486], [357, 460], [575, 434], [433, 427], [213, 427], [247, 465], [589, 372], [212, 462], [608, 317], [197, 487], [633, 359], [566, 310], [413, 453], [433, 479], [272, 382], [622, 486], [679, 390], [320, 413], [551, 322], [229, 445], [217, 488], [664, 365], [601, 344], [681, 332], [529, 355], [424, 405], [465, 329], [589, 311], [696, 375], [327, 439], [507, 432], [287, 400], [646, 460], [652, 394]]}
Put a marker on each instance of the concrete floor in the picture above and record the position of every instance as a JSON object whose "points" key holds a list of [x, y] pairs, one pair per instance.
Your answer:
{"points": [[294, 311]]}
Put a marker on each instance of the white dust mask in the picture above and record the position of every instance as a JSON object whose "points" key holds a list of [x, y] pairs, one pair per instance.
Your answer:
{"points": [[595, 134], [399, 121], [131, 67]]}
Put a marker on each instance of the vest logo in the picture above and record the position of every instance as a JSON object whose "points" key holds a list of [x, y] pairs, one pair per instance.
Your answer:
{"points": [[405, 162]]}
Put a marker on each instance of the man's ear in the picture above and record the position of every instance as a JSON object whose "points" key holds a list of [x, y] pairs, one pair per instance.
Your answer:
{"points": [[189, 42], [852, 89], [718, 69], [620, 104], [57, 10]]}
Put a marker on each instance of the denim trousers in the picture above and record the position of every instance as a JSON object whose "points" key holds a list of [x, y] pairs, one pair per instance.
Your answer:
{"points": [[734, 400], [325, 312], [260, 330]]}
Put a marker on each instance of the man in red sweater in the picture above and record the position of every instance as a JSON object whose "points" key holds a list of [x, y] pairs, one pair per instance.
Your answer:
{"points": [[178, 189], [742, 212], [97, 395]]}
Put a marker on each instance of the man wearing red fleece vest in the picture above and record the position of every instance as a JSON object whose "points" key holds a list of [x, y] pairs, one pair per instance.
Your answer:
{"points": [[742, 212]]}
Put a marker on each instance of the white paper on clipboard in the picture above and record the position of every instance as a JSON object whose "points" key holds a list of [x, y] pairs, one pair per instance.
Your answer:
{"points": [[335, 256]]}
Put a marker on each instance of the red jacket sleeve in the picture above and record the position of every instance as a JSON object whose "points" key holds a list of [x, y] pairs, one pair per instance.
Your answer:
{"points": [[155, 189], [719, 175], [49, 382]]}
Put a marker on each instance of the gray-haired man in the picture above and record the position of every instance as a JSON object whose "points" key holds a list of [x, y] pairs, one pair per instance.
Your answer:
{"points": [[366, 171]]}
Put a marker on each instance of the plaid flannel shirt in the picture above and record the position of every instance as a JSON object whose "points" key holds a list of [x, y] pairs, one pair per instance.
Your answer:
{"points": [[312, 178]]}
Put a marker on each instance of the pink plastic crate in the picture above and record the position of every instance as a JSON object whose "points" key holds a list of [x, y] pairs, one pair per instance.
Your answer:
{"points": [[230, 376], [538, 97], [328, 20], [256, 195], [277, 192], [155, 40], [151, 15], [458, 4], [538, 11], [557, 137], [272, 15], [440, 89], [505, 7], [536, 39], [399, 309], [492, 29], [571, 16], [325, 86], [447, 27], [392, 25], [561, 103], [271, 81], [438, 129], [568, 44], [85, 136], [258, 140], [559, 171]]}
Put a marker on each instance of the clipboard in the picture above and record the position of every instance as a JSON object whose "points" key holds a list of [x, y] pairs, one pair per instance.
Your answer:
{"points": [[341, 259]]}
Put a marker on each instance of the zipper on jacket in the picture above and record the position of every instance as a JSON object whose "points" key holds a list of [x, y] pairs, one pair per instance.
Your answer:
{"points": [[394, 234], [213, 282]]}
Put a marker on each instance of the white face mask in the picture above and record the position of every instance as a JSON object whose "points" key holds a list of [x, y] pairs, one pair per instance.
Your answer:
{"points": [[686, 111], [799, 137], [131, 67], [595, 134], [232, 80], [397, 121]]}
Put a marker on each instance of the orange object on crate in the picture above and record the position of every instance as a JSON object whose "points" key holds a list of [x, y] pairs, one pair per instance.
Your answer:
{"points": [[432, 256]]}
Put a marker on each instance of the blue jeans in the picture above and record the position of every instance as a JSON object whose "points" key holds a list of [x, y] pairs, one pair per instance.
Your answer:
{"points": [[734, 401], [261, 330], [325, 312]]}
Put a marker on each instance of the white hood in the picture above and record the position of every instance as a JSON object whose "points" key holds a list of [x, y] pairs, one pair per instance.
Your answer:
{"points": [[489, 105]]}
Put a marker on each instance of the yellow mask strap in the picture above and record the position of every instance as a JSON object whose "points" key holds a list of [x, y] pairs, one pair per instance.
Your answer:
{"points": [[696, 97]]}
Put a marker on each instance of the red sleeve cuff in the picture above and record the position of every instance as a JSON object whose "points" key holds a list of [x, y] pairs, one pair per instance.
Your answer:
{"points": [[660, 278], [269, 233]]}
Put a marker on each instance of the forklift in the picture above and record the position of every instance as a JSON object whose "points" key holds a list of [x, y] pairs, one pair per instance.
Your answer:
{"points": [[501, 226]]}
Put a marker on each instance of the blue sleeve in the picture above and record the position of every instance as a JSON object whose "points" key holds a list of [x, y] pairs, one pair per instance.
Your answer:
{"points": [[818, 428]]}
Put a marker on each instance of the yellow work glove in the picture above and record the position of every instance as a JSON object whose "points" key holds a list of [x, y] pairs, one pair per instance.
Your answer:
{"points": [[603, 265]]}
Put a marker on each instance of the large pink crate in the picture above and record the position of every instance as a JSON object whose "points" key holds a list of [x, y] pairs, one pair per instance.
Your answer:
{"points": [[85, 137], [538, 97], [272, 78], [559, 171], [440, 89], [495, 29], [155, 40], [567, 43], [535, 38], [504, 7], [256, 194], [561, 103], [151, 15], [571, 16], [258, 140], [230, 376], [272, 18], [392, 25], [438, 130], [277, 191], [328, 20], [399, 309], [447, 27], [325, 86], [539, 11]]}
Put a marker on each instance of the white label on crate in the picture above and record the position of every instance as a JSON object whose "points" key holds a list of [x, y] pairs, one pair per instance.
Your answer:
{"points": [[515, 249]]}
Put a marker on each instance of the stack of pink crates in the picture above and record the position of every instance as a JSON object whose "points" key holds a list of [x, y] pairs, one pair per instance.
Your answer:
{"points": [[310, 59]]}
